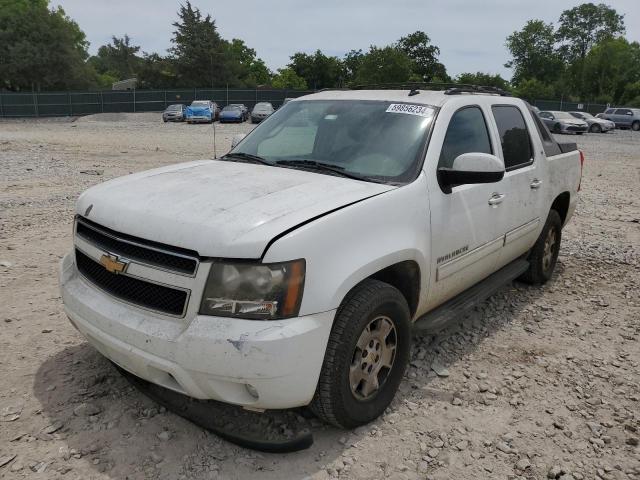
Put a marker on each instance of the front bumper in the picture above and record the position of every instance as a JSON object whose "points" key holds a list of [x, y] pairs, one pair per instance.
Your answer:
{"points": [[574, 128], [203, 357], [198, 119]]}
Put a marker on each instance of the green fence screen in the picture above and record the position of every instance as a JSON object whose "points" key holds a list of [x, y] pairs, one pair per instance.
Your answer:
{"points": [[49, 104]]}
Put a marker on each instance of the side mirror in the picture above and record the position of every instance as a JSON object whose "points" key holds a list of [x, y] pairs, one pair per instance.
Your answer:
{"points": [[237, 139], [471, 168]]}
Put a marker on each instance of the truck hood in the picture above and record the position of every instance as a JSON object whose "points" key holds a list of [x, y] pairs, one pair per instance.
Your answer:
{"points": [[218, 208]]}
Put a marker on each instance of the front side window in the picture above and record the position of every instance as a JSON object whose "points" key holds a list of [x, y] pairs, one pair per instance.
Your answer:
{"points": [[367, 139], [467, 133], [514, 136]]}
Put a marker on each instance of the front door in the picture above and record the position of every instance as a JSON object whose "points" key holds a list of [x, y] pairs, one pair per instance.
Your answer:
{"points": [[464, 238]]}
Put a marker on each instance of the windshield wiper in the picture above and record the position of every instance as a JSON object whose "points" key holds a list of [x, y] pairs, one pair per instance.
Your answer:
{"points": [[247, 157], [320, 166]]}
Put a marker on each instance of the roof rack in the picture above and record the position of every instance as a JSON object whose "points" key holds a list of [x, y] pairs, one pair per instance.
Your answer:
{"points": [[448, 88]]}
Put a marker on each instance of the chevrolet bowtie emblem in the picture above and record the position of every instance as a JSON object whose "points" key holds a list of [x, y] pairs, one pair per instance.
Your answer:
{"points": [[113, 264]]}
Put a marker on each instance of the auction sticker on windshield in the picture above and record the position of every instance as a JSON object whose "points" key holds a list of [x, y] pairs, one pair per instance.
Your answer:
{"points": [[419, 110]]}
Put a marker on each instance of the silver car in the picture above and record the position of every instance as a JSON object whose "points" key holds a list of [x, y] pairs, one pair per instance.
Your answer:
{"points": [[261, 111], [173, 113], [623, 117], [563, 122], [596, 125]]}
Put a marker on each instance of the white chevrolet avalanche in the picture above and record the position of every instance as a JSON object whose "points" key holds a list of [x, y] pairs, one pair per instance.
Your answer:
{"points": [[293, 270]]}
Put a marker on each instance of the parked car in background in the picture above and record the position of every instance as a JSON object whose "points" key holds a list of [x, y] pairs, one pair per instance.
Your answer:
{"points": [[243, 107], [232, 113], [623, 117], [202, 111], [563, 122], [174, 113], [596, 125], [261, 111]]}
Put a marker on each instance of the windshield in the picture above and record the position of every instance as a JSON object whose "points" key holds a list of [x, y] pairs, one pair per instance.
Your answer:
{"points": [[174, 107], [200, 103], [586, 115], [377, 140], [263, 106]]}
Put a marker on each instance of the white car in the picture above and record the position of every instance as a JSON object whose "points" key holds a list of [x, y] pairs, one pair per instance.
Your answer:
{"points": [[292, 271]]}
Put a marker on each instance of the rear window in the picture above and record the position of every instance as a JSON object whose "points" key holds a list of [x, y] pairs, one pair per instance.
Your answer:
{"points": [[514, 136]]}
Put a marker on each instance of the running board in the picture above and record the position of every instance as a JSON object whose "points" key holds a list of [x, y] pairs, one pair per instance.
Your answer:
{"points": [[440, 316]]}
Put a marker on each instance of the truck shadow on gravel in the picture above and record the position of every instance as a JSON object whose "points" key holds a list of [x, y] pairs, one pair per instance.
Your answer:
{"points": [[105, 424]]}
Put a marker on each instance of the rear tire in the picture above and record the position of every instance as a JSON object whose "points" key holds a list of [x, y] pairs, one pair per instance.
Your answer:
{"points": [[595, 128], [366, 356], [544, 254]]}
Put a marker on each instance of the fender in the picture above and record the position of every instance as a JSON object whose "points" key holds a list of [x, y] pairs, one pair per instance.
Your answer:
{"points": [[348, 245]]}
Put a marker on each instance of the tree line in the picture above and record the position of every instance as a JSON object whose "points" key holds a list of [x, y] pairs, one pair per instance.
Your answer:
{"points": [[584, 56]]}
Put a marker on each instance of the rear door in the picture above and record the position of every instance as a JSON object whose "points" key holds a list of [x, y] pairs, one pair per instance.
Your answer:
{"points": [[520, 221], [464, 238], [623, 117]]}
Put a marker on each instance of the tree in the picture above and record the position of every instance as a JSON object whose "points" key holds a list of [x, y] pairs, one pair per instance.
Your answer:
{"points": [[318, 70], [286, 78], [583, 26], [155, 71], [119, 58], [41, 48], [534, 89], [350, 65], [199, 54], [384, 65], [533, 53], [249, 70], [610, 68], [417, 46], [484, 79]]}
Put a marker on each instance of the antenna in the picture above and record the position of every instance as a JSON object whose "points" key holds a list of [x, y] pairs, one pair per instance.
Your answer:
{"points": [[215, 155]]}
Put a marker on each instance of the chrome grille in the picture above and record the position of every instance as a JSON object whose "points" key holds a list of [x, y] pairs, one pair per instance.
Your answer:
{"points": [[164, 257], [152, 296]]}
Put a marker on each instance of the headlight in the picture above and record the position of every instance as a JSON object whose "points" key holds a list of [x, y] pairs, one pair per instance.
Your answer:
{"points": [[254, 291]]}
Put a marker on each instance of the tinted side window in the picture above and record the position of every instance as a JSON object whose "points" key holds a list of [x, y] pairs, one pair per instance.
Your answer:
{"points": [[623, 111], [516, 144], [467, 133]]}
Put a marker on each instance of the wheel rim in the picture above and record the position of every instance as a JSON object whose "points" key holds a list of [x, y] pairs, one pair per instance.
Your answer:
{"points": [[549, 250], [373, 358]]}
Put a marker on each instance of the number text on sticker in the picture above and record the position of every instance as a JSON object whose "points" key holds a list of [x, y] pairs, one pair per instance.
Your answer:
{"points": [[420, 110]]}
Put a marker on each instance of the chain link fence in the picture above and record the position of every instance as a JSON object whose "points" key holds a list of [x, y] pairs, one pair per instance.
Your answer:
{"points": [[563, 106], [51, 104]]}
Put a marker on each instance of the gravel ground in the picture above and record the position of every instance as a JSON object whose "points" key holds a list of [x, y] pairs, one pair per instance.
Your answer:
{"points": [[538, 382]]}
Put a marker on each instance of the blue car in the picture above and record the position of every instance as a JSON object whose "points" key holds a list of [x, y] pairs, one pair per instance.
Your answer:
{"points": [[232, 113], [202, 111]]}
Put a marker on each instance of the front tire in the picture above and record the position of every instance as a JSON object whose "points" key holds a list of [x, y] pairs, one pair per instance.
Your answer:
{"points": [[544, 254], [635, 126], [366, 356], [595, 128]]}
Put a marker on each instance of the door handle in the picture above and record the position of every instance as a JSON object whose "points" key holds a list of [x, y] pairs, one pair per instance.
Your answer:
{"points": [[536, 184], [496, 199]]}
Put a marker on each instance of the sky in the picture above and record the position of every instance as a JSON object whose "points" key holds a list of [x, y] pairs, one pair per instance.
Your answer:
{"points": [[471, 34]]}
